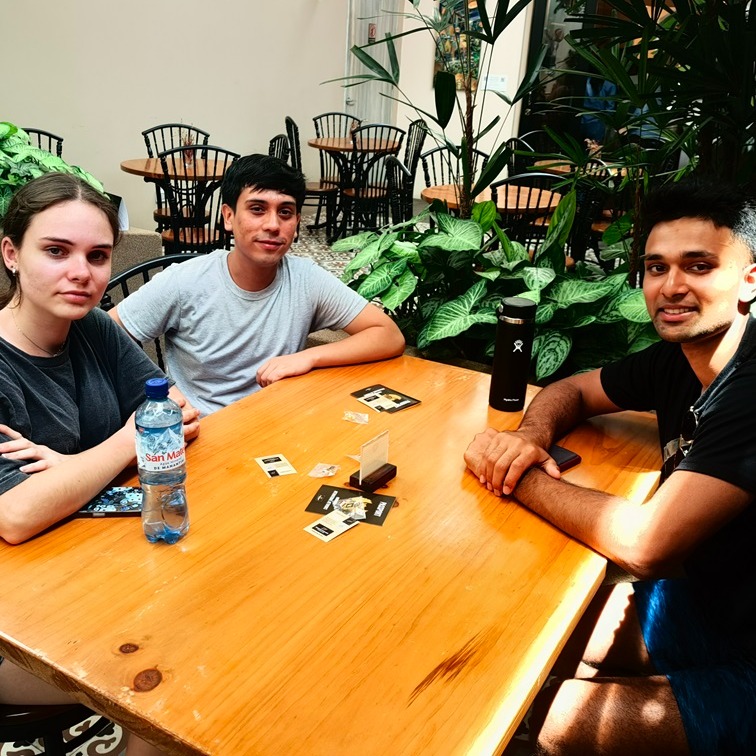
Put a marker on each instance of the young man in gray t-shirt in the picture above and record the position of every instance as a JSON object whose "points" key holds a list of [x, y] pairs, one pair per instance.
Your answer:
{"points": [[236, 321]]}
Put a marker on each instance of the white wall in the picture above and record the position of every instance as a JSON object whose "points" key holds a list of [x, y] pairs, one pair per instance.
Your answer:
{"points": [[98, 73]]}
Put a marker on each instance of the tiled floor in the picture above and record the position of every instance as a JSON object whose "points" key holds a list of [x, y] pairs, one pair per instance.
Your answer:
{"points": [[107, 742]]}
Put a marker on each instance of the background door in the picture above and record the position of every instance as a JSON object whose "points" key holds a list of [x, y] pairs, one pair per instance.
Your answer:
{"points": [[369, 22]]}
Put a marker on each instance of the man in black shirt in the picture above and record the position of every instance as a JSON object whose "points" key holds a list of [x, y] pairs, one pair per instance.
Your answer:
{"points": [[667, 664]]}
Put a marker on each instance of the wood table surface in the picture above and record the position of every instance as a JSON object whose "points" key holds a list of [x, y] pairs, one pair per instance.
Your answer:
{"points": [[151, 170], [518, 199], [345, 144], [430, 634], [565, 167]]}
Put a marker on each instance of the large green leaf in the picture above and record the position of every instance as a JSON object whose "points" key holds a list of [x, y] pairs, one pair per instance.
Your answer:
{"points": [[445, 90], [7, 129], [553, 350], [358, 241], [454, 234], [362, 259], [633, 307], [572, 291], [455, 317], [406, 250], [379, 72], [379, 280], [400, 290], [538, 278], [484, 214]]}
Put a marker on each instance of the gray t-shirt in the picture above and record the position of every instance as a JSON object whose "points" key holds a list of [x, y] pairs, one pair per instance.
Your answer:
{"points": [[76, 400], [218, 335]]}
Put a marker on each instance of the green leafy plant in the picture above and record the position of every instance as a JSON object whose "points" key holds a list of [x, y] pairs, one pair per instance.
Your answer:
{"points": [[20, 162], [477, 41], [686, 68], [443, 283]]}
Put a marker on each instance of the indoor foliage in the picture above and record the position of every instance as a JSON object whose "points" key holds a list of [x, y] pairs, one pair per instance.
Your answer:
{"points": [[20, 162], [442, 284]]}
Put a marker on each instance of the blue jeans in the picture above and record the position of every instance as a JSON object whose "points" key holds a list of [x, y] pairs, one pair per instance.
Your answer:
{"points": [[713, 682]]}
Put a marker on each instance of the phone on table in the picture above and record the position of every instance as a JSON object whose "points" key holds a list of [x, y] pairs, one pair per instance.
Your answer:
{"points": [[116, 501], [564, 458]]}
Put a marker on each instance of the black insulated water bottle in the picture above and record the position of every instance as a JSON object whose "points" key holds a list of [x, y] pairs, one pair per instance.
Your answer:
{"points": [[511, 363]]}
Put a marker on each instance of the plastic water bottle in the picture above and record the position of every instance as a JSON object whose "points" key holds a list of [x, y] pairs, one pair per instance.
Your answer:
{"points": [[161, 459]]}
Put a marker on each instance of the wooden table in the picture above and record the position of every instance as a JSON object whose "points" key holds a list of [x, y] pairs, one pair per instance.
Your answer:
{"points": [[518, 199], [345, 145], [564, 167], [430, 634], [151, 170]]}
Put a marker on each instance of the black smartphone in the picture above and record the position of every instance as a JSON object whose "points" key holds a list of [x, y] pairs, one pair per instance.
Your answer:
{"points": [[116, 501], [564, 458]]}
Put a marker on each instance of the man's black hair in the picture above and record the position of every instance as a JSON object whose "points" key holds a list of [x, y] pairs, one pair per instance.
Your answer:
{"points": [[725, 205], [265, 173]]}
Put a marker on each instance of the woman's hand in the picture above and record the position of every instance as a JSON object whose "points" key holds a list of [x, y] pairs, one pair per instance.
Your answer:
{"points": [[19, 447]]}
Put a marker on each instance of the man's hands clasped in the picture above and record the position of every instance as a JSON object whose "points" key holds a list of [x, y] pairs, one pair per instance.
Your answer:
{"points": [[500, 459]]}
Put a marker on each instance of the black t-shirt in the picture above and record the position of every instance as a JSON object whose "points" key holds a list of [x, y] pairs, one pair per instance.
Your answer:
{"points": [[76, 400], [718, 439]]}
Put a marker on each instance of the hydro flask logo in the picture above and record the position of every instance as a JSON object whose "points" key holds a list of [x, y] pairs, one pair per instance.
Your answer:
{"points": [[518, 346]]}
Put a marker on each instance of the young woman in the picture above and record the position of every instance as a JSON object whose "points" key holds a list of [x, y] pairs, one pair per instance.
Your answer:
{"points": [[70, 378]]}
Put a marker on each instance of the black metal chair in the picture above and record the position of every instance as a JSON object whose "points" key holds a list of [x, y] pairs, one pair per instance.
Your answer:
{"points": [[332, 166], [400, 186], [441, 166], [521, 157], [192, 180], [520, 218], [27, 724], [320, 193], [164, 137], [46, 140], [279, 147], [128, 281], [366, 200], [413, 147]]}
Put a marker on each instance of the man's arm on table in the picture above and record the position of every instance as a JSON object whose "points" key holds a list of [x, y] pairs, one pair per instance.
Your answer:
{"points": [[500, 458], [372, 336], [648, 540]]}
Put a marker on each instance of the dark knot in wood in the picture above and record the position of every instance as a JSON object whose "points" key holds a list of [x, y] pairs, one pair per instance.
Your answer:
{"points": [[147, 679], [128, 648]]}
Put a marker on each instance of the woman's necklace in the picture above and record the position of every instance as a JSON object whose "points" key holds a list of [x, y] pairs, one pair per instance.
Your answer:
{"points": [[41, 348]]}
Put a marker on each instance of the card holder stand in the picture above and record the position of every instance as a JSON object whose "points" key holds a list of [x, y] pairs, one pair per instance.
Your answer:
{"points": [[375, 480]]}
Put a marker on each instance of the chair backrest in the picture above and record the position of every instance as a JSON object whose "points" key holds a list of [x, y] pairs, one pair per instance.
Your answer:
{"points": [[518, 218], [539, 141], [370, 146], [192, 179], [295, 150], [128, 281], [26, 724], [521, 156], [440, 166], [46, 140], [400, 184], [279, 147], [335, 124], [166, 136], [416, 134]]}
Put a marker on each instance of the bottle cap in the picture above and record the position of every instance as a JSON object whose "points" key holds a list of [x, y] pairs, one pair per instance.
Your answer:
{"points": [[156, 388], [518, 308]]}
